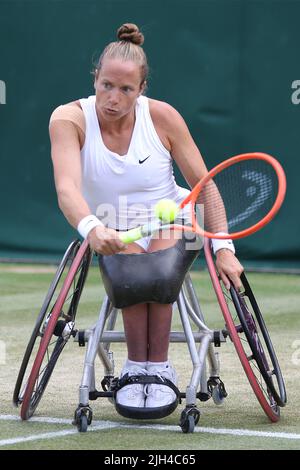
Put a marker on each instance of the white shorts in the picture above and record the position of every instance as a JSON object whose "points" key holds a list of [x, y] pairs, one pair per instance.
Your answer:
{"points": [[144, 242], [186, 215]]}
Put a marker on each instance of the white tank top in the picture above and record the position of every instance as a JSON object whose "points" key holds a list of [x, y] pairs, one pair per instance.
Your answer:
{"points": [[123, 190]]}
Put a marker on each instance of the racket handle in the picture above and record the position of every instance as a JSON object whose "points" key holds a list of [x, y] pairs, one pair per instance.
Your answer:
{"points": [[132, 235], [139, 232]]}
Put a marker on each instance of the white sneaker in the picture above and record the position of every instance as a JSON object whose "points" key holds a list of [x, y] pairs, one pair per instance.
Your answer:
{"points": [[132, 395], [157, 394]]}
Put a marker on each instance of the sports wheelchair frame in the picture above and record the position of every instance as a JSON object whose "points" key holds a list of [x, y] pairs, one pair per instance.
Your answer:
{"points": [[55, 325]]}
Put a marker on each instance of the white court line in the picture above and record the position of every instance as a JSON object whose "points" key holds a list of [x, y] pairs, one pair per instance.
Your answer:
{"points": [[35, 419], [103, 425], [49, 435], [234, 432]]}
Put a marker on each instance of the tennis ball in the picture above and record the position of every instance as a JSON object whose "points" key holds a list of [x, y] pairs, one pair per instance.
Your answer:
{"points": [[166, 210]]}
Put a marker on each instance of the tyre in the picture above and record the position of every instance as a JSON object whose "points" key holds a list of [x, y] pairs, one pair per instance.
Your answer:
{"points": [[259, 341], [188, 419], [248, 332], [54, 327]]}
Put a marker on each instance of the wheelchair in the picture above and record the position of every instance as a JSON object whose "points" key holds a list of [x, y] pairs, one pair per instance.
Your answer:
{"points": [[56, 325]]}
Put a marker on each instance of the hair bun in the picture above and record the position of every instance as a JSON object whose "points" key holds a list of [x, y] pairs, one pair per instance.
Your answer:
{"points": [[130, 32]]}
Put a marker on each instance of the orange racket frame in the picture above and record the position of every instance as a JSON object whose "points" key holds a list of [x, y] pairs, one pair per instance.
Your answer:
{"points": [[192, 197]]}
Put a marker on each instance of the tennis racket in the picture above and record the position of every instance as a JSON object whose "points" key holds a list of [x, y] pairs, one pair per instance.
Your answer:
{"points": [[233, 200]]}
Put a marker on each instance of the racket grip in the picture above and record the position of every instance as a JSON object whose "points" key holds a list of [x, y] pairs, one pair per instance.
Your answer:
{"points": [[131, 235], [139, 232]]}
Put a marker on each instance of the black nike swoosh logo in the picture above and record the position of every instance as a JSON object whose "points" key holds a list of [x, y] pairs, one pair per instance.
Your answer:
{"points": [[142, 161]]}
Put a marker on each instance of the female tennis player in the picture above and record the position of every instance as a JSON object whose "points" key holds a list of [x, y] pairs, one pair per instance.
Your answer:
{"points": [[112, 155]]}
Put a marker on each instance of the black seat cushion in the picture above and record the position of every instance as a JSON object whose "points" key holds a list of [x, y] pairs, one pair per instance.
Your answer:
{"points": [[130, 279]]}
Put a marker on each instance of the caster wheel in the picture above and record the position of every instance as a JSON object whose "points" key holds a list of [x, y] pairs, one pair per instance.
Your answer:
{"points": [[218, 396], [188, 420], [188, 425], [83, 418], [217, 390], [82, 423]]}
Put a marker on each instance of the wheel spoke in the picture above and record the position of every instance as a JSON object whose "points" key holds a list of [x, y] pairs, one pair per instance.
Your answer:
{"points": [[40, 359], [244, 316]]}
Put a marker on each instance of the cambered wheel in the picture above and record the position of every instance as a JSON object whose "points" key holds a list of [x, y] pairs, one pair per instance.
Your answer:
{"points": [[259, 342], [53, 328], [252, 342]]}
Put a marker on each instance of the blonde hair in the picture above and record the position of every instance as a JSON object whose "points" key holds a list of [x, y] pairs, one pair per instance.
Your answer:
{"points": [[128, 47]]}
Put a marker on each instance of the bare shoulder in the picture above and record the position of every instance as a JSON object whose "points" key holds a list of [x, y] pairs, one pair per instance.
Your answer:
{"points": [[71, 105], [168, 122], [68, 119], [183, 149], [74, 103], [164, 113]]}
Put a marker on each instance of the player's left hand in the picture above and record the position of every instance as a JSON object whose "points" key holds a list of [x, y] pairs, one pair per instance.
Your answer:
{"points": [[229, 268]]}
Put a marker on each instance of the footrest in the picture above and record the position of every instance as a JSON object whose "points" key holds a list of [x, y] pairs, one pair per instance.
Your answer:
{"points": [[146, 413]]}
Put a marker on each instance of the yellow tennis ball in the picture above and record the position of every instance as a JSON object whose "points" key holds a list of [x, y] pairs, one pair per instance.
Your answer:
{"points": [[166, 210]]}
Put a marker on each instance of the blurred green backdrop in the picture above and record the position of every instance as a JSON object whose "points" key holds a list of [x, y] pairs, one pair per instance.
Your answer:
{"points": [[226, 65]]}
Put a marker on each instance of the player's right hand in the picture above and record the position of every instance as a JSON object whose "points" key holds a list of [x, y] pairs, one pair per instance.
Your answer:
{"points": [[105, 241]]}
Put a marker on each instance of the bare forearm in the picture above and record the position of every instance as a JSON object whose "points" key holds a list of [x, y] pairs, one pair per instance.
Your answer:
{"points": [[212, 208], [73, 205], [75, 208], [215, 216]]}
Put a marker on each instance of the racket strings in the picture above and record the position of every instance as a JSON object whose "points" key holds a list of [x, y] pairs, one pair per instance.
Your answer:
{"points": [[247, 190]]}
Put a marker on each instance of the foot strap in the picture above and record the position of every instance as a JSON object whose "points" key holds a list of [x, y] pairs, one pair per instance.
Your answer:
{"points": [[143, 379]]}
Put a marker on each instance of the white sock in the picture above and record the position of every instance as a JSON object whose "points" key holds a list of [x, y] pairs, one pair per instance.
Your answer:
{"points": [[130, 363], [160, 365]]}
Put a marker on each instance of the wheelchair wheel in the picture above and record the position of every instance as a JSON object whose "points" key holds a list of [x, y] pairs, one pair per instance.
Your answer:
{"points": [[259, 341], [53, 329], [17, 399], [248, 332]]}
